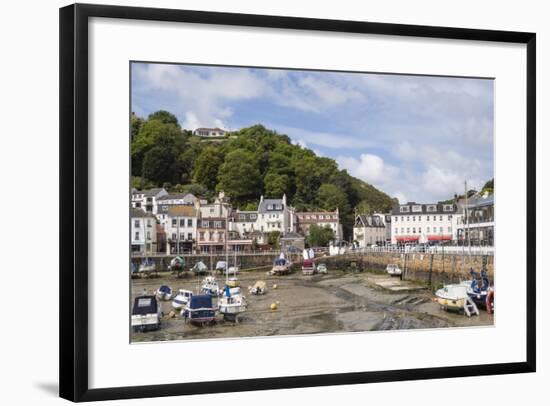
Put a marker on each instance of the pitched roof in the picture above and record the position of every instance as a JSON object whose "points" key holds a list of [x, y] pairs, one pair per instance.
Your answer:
{"points": [[370, 221], [139, 213], [182, 210], [264, 204], [245, 216], [173, 196], [434, 208]]}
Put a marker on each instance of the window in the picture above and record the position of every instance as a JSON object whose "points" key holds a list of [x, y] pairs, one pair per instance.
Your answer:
{"points": [[201, 236], [402, 230], [440, 229], [396, 231], [450, 218], [402, 218], [205, 224], [148, 222], [414, 230], [148, 235], [407, 218], [395, 219], [419, 230], [335, 217], [211, 236], [182, 222], [136, 223], [241, 216], [182, 236], [428, 230], [408, 230], [440, 218], [431, 208], [189, 236], [417, 209], [253, 216], [174, 222], [448, 229], [419, 218], [321, 217], [136, 237], [428, 218], [269, 207], [189, 222], [404, 209], [217, 224], [414, 218], [174, 236]]}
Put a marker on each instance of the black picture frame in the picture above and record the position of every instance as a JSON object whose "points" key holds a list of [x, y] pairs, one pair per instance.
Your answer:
{"points": [[73, 254]]}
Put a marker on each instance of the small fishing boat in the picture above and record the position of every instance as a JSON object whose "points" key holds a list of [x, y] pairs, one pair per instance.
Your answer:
{"points": [[147, 265], [452, 297], [233, 270], [393, 270], [479, 288], [199, 310], [232, 303], [259, 288], [322, 268], [221, 267], [164, 292], [177, 264], [281, 266], [308, 267], [145, 314], [199, 268], [210, 287], [181, 299]]}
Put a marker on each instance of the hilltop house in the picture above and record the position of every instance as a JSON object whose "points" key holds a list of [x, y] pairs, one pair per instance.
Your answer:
{"points": [[209, 132]]}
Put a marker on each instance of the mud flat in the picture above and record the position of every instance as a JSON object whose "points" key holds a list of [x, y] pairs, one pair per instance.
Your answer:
{"points": [[337, 302]]}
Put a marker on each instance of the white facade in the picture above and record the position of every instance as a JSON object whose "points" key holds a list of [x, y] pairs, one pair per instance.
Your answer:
{"points": [[422, 223], [331, 219], [369, 230], [181, 228], [143, 232], [244, 222], [209, 132], [147, 200], [275, 215]]}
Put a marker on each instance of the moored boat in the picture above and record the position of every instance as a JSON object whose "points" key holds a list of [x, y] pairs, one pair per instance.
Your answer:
{"points": [[199, 268], [199, 309], [308, 267], [281, 266], [210, 286], [479, 288], [145, 314], [181, 299], [147, 265], [452, 297], [164, 292], [393, 270], [232, 303], [177, 264]]}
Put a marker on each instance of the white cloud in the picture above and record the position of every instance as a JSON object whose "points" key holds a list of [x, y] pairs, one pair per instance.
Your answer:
{"points": [[322, 139]]}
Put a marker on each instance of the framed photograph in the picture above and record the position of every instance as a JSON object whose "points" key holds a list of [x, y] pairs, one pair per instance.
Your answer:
{"points": [[255, 202]]}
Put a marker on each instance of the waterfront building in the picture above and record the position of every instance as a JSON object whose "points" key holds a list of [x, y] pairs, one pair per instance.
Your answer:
{"points": [[212, 225], [477, 222], [163, 203], [143, 232], [209, 132], [369, 230], [244, 222], [275, 215], [423, 223], [304, 220], [180, 225], [146, 200]]}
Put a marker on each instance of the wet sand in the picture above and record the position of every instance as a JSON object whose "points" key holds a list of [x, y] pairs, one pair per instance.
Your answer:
{"points": [[337, 302]]}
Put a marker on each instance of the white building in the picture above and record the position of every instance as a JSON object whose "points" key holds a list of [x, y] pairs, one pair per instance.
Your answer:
{"points": [[143, 232], [181, 228], [275, 215], [369, 230], [244, 222], [476, 225], [209, 132], [422, 223], [163, 203], [147, 199]]}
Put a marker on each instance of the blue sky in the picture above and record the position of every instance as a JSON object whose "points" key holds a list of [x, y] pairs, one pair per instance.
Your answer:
{"points": [[417, 138]]}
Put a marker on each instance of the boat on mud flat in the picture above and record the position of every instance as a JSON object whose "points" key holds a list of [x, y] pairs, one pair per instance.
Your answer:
{"points": [[177, 264], [147, 265], [199, 310], [221, 266], [199, 268], [164, 292], [145, 314], [259, 288], [308, 267], [181, 299], [281, 266], [479, 288], [452, 297], [210, 287], [393, 270], [231, 303], [322, 269]]}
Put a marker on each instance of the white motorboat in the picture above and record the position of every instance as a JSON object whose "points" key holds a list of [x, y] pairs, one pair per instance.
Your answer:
{"points": [[393, 270], [147, 265], [181, 299], [164, 292], [145, 314], [210, 286], [452, 297], [232, 303]]}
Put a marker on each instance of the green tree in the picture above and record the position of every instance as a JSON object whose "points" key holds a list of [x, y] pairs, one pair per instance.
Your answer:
{"points": [[164, 117], [273, 238], [207, 166], [331, 197], [319, 236], [239, 176], [136, 123], [364, 207], [275, 185]]}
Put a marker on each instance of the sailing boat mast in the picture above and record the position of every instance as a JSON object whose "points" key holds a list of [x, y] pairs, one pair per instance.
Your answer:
{"points": [[226, 237]]}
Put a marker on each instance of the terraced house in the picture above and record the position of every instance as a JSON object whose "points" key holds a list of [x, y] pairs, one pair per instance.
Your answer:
{"points": [[304, 220]]}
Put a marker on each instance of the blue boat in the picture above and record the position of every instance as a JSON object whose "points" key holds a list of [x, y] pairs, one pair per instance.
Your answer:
{"points": [[199, 309], [164, 292], [479, 287]]}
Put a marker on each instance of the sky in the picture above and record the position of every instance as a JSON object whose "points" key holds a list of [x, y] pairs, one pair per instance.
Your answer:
{"points": [[417, 138]]}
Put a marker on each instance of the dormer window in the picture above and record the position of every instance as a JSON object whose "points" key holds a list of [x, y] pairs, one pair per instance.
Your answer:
{"points": [[417, 209], [431, 208], [404, 209]]}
